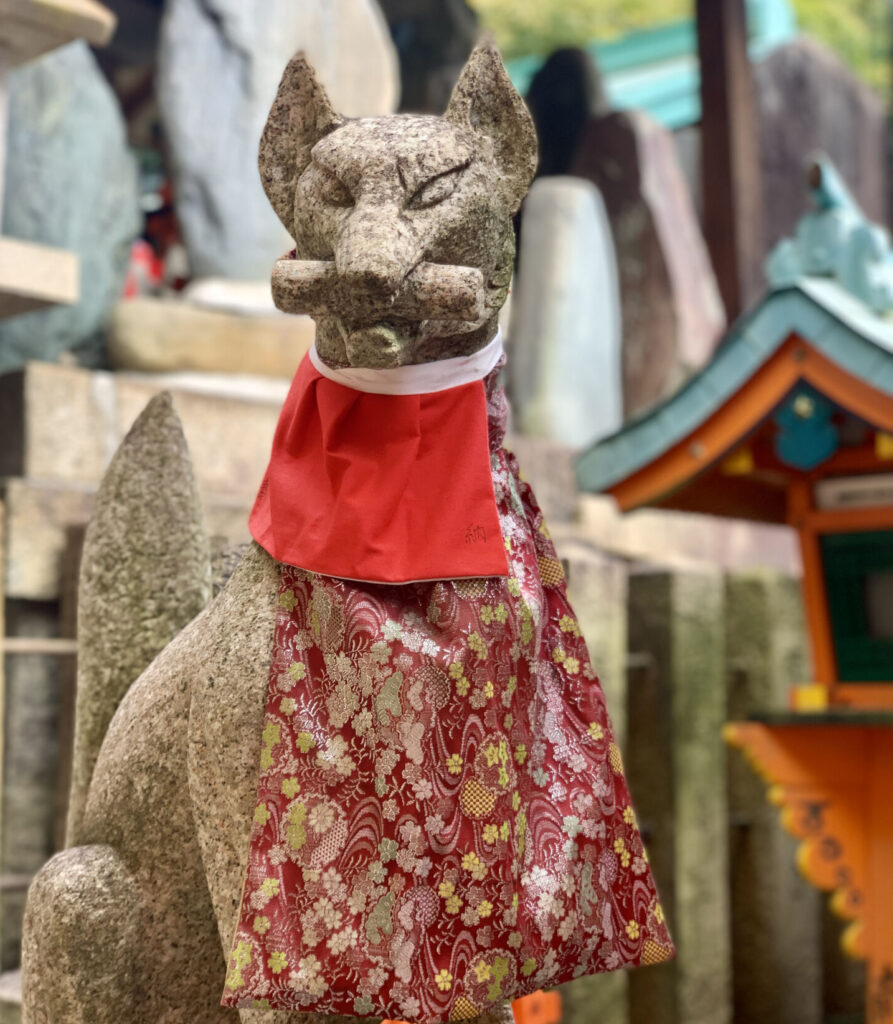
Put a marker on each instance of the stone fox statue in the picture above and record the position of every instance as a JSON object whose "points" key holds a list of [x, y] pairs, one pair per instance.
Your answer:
{"points": [[375, 776]]}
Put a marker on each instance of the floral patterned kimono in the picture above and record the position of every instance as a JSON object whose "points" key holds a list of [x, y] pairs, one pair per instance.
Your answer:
{"points": [[442, 819]]}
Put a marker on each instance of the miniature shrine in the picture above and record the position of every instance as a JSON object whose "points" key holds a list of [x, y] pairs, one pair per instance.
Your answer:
{"points": [[792, 422]]}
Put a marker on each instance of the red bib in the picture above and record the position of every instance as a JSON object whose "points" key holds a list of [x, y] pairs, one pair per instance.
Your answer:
{"points": [[383, 488]]}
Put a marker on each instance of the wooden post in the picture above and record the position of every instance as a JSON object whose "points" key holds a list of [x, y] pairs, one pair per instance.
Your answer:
{"points": [[730, 153]]}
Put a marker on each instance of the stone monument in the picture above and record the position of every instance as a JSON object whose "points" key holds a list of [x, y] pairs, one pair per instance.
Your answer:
{"points": [[671, 307], [33, 276], [219, 66]]}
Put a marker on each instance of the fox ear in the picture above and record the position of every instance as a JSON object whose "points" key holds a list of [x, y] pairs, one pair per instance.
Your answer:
{"points": [[300, 116], [485, 101]]}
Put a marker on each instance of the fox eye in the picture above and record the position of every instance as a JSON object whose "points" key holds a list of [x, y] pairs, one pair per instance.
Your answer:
{"points": [[333, 191], [436, 189]]}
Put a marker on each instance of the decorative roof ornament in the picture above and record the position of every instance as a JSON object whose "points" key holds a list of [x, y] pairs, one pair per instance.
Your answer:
{"points": [[836, 240]]}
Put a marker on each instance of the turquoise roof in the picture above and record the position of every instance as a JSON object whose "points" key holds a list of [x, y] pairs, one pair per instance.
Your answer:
{"points": [[656, 70], [831, 283], [837, 324]]}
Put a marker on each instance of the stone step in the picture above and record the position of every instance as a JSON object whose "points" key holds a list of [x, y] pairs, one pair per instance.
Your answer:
{"points": [[34, 276], [52, 471], [40, 513], [29, 28], [166, 335], [228, 421]]}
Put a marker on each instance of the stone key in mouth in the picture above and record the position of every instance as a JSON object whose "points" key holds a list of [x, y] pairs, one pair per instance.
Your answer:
{"points": [[431, 291]]}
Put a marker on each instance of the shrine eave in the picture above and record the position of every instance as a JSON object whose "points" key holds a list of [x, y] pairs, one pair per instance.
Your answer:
{"points": [[851, 350]]}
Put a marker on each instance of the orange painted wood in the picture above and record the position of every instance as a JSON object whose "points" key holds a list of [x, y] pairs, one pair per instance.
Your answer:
{"points": [[850, 460], [717, 436], [729, 426], [862, 695], [538, 1008], [879, 923], [851, 520], [848, 391], [815, 598], [740, 497], [833, 784]]}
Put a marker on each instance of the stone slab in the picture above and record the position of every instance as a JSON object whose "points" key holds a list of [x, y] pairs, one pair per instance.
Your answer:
{"points": [[51, 471], [776, 914], [433, 42], [677, 774], [29, 28], [28, 793], [808, 100], [548, 467], [33, 276], [229, 422], [687, 540], [40, 514], [165, 335], [229, 439]]}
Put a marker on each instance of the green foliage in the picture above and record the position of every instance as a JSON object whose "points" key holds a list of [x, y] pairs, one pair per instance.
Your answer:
{"points": [[539, 26], [858, 31]]}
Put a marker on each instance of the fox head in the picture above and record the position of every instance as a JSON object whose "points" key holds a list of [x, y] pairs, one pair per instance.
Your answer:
{"points": [[394, 217]]}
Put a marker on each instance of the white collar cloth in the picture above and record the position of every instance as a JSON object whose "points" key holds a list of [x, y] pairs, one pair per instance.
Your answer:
{"points": [[418, 378]]}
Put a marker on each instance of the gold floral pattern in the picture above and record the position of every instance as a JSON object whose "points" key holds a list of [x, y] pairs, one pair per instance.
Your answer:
{"points": [[442, 820]]}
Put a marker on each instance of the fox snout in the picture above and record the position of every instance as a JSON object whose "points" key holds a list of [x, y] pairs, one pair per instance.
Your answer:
{"points": [[430, 291], [375, 252]]}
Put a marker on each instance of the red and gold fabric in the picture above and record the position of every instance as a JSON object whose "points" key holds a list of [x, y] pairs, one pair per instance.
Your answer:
{"points": [[442, 821]]}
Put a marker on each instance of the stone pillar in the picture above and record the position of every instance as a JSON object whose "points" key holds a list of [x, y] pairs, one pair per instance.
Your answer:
{"points": [[28, 791], [564, 339], [597, 587], [808, 99], [776, 930], [672, 313], [564, 94], [433, 40], [676, 765]]}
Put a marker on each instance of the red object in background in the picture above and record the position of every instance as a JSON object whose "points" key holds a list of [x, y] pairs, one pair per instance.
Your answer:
{"points": [[145, 271], [150, 268], [538, 1008]]}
